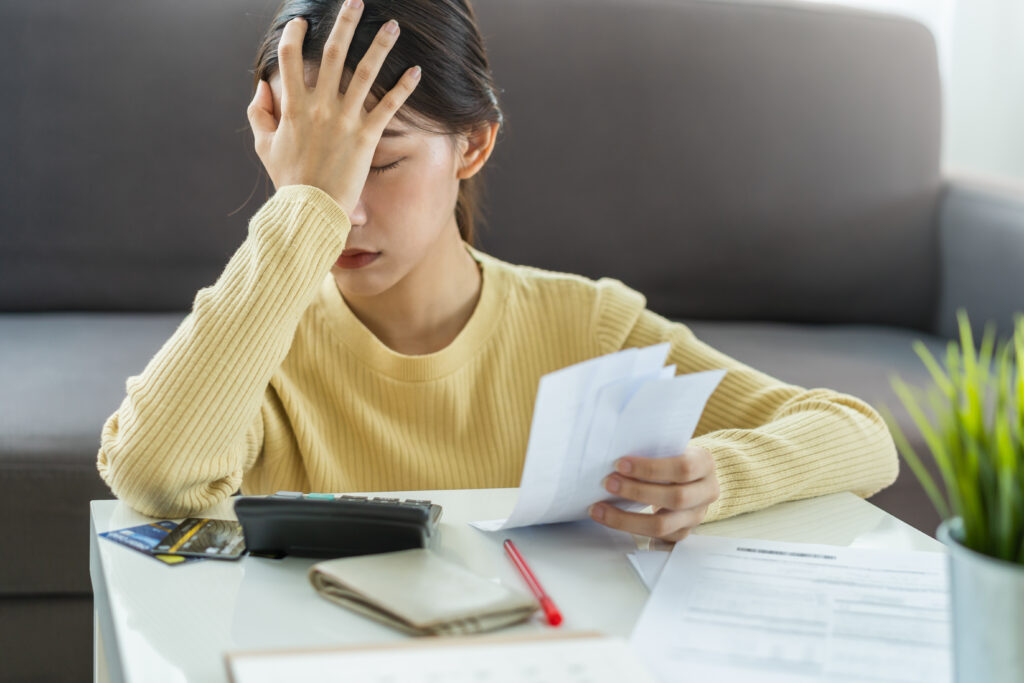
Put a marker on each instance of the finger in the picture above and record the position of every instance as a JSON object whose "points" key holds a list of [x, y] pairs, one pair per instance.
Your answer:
{"points": [[289, 57], [381, 114], [672, 496], [369, 66], [662, 524], [336, 48], [261, 111], [694, 463]]}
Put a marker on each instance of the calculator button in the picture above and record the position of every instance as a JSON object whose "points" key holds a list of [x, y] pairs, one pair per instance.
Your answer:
{"points": [[320, 496], [289, 494]]}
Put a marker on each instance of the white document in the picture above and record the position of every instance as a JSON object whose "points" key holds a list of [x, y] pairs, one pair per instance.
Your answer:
{"points": [[592, 659], [733, 609], [648, 565], [590, 414]]}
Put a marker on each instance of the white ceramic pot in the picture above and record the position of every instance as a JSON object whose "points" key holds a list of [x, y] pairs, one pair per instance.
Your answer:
{"points": [[987, 597]]}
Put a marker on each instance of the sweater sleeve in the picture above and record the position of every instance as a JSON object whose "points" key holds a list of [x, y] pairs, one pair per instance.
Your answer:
{"points": [[771, 441], [191, 425]]}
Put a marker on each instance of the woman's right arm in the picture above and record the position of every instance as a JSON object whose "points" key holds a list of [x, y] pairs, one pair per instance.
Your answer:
{"points": [[190, 425]]}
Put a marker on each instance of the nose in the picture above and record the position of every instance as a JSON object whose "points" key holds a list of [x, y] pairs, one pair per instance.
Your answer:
{"points": [[358, 214]]}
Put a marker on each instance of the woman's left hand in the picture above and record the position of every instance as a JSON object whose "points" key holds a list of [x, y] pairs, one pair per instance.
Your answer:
{"points": [[680, 488]]}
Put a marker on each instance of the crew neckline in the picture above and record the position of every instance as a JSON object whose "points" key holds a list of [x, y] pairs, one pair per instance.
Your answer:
{"points": [[382, 358]]}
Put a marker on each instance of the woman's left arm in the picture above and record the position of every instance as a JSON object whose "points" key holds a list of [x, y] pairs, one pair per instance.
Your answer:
{"points": [[760, 441]]}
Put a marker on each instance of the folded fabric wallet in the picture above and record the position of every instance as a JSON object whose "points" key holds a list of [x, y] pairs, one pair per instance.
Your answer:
{"points": [[420, 593]]}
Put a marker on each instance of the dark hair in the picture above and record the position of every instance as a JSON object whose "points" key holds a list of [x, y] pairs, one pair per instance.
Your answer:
{"points": [[456, 93]]}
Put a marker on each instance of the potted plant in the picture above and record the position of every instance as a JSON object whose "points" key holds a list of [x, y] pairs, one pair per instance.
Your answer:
{"points": [[976, 438]]}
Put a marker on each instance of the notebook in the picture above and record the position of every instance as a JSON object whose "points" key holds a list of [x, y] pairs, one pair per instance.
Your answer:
{"points": [[574, 657]]}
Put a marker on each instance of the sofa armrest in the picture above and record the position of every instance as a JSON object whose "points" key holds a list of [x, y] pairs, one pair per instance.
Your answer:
{"points": [[981, 243]]}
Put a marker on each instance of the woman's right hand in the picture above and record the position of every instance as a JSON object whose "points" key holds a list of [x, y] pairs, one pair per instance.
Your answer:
{"points": [[324, 138]]}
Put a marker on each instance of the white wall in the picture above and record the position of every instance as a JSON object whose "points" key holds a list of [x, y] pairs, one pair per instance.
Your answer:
{"points": [[981, 60], [985, 111]]}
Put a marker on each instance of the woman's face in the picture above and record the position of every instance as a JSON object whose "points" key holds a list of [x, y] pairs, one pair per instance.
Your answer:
{"points": [[404, 211]]}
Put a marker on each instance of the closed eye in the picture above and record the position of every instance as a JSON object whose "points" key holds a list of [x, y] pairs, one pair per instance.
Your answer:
{"points": [[382, 169]]}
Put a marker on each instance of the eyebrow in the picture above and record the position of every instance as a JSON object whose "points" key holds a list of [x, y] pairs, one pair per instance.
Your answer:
{"points": [[391, 133]]}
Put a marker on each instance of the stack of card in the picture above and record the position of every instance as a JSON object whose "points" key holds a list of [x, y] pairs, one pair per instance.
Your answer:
{"points": [[192, 539]]}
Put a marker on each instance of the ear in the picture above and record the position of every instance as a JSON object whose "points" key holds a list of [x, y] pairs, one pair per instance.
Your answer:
{"points": [[474, 149]]}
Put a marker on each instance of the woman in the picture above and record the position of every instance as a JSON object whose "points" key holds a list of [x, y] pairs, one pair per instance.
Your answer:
{"points": [[357, 341]]}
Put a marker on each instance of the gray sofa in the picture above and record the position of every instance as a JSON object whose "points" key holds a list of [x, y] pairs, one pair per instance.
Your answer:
{"points": [[768, 174]]}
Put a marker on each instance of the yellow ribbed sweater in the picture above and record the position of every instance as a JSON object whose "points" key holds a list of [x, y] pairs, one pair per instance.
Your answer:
{"points": [[272, 383]]}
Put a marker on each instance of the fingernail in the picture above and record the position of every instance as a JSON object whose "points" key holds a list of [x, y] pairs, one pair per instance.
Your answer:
{"points": [[391, 26], [415, 72], [597, 512], [624, 466], [612, 483], [354, 4]]}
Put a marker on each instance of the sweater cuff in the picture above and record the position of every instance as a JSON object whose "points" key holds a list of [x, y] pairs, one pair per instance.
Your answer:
{"points": [[714, 512], [317, 198]]}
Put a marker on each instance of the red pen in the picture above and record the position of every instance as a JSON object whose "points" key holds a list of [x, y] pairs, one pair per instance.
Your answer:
{"points": [[552, 613]]}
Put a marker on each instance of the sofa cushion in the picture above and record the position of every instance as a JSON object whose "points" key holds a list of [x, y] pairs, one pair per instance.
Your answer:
{"points": [[731, 160], [127, 187], [47, 639], [63, 374]]}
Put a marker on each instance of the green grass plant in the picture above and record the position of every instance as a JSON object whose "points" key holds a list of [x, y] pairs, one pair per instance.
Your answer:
{"points": [[975, 435]]}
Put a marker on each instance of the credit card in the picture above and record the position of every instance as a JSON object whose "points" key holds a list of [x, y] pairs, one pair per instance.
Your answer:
{"points": [[200, 537], [145, 538]]}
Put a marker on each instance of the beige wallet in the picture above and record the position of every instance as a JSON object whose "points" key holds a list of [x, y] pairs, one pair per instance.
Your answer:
{"points": [[420, 593]]}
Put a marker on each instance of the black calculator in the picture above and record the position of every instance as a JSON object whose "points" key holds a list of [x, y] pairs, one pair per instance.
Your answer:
{"points": [[323, 525]]}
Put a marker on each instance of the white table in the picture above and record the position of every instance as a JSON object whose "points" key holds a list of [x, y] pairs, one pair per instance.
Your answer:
{"points": [[173, 623]]}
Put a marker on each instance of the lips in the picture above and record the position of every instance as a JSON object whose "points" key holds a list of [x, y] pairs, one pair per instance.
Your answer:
{"points": [[357, 258]]}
